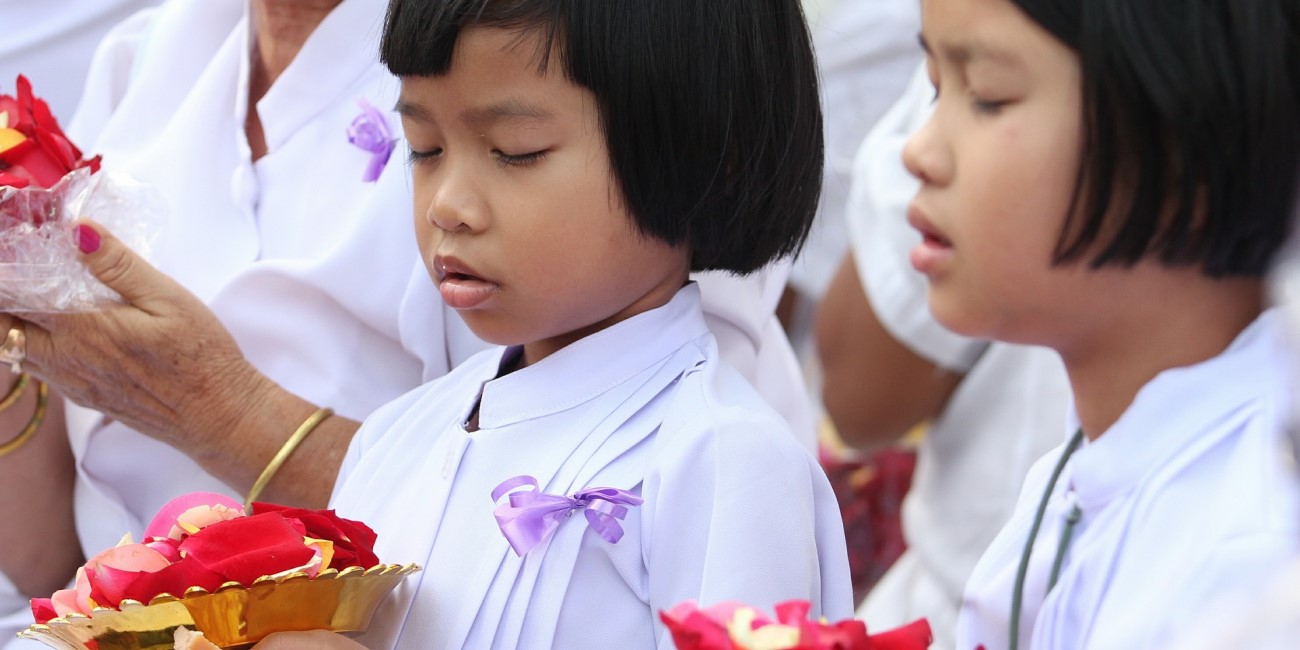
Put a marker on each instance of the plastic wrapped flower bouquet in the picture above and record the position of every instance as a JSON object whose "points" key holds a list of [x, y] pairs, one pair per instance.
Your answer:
{"points": [[45, 185]]}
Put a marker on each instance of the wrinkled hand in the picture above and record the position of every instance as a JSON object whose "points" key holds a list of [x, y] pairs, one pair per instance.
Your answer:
{"points": [[161, 363], [307, 641]]}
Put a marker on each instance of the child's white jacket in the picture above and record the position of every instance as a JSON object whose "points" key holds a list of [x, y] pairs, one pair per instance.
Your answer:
{"points": [[1191, 497], [734, 508]]}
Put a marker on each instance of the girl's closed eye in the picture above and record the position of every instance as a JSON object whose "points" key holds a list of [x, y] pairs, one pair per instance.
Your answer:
{"points": [[518, 160], [983, 106], [421, 156]]}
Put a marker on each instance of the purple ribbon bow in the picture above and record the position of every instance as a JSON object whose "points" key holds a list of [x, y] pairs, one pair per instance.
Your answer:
{"points": [[369, 131], [529, 516]]}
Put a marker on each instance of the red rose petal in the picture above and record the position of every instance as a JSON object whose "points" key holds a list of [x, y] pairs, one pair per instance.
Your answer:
{"points": [[49, 155], [107, 585], [40, 166], [793, 612], [92, 163], [26, 123], [913, 636], [10, 179], [111, 572], [845, 635], [45, 121], [247, 548], [58, 149], [174, 580], [693, 630], [354, 542], [43, 610], [12, 154]]}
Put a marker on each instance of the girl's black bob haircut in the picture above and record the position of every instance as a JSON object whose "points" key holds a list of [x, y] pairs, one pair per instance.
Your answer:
{"points": [[1192, 129], [709, 107]]}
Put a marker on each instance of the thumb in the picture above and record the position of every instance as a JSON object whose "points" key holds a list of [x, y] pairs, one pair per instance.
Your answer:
{"points": [[119, 267]]}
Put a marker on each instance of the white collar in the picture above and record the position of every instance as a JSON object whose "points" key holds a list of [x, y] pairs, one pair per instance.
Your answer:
{"points": [[1173, 413], [591, 366], [334, 59]]}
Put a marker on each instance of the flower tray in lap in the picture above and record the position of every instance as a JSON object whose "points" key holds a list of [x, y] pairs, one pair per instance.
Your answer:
{"points": [[234, 616]]}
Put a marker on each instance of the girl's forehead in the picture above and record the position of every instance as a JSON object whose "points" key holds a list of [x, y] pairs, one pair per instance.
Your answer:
{"points": [[494, 80], [519, 48]]}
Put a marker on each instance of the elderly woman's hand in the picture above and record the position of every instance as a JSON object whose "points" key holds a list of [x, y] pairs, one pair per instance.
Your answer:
{"points": [[164, 365], [161, 363]]}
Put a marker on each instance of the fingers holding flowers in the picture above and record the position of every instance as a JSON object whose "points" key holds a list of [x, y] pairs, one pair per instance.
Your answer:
{"points": [[159, 361]]}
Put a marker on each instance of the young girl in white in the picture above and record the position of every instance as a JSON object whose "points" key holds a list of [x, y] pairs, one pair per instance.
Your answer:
{"points": [[573, 162], [1110, 178]]}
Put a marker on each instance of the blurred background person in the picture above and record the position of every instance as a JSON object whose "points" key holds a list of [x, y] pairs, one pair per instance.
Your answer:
{"points": [[866, 51], [990, 409]]}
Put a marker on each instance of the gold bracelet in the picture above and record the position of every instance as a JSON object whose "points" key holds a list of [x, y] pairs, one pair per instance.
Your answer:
{"points": [[291, 444], [15, 393], [42, 400]]}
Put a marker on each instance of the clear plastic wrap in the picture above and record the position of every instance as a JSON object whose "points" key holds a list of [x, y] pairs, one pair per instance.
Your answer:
{"points": [[40, 269]]}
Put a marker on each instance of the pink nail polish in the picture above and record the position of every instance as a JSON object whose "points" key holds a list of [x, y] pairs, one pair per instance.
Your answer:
{"points": [[87, 239]]}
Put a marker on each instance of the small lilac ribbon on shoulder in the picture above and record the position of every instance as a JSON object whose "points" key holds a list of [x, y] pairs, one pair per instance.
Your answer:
{"points": [[529, 516], [369, 131]]}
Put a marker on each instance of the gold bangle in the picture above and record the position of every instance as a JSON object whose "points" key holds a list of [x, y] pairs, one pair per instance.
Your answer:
{"points": [[15, 393], [42, 400], [291, 444]]}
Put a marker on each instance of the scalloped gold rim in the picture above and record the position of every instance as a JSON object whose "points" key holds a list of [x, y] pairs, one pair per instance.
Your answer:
{"points": [[54, 629]]}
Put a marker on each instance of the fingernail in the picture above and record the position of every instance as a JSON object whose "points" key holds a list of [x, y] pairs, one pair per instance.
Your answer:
{"points": [[87, 239]]}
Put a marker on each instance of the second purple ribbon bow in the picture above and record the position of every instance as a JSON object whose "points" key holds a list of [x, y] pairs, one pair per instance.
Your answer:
{"points": [[529, 516], [369, 131]]}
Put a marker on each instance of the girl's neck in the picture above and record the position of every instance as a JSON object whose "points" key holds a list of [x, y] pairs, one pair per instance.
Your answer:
{"points": [[1180, 319]]}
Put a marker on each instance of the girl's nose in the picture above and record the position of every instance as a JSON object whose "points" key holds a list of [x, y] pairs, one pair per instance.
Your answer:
{"points": [[456, 204], [926, 156]]}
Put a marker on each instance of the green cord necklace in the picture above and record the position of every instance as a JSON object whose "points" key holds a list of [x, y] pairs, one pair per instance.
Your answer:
{"points": [[1018, 593]]}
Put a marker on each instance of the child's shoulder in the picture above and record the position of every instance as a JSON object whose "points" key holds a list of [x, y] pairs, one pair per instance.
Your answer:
{"points": [[716, 415]]}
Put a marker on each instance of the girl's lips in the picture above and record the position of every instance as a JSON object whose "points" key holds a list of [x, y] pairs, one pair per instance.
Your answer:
{"points": [[934, 249], [463, 292], [459, 286], [929, 255]]}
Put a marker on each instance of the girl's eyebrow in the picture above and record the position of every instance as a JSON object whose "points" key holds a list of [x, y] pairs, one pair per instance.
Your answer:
{"points": [[509, 110], [413, 111], [963, 53]]}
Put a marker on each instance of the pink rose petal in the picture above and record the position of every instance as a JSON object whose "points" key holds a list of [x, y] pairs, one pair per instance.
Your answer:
{"points": [[111, 572], [162, 523]]}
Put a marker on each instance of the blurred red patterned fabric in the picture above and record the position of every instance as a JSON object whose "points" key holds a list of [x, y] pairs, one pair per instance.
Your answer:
{"points": [[870, 489]]}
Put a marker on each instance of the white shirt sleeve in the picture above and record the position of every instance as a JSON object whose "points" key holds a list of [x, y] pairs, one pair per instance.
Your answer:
{"points": [[712, 515], [51, 43], [109, 76], [881, 237], [741, 314]]}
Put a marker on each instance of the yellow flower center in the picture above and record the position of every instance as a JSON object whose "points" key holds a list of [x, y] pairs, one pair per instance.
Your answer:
{"points": [[10, 138]]}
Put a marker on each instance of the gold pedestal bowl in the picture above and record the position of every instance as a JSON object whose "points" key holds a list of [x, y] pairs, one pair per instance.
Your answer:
{"points": [[234, 616]]}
